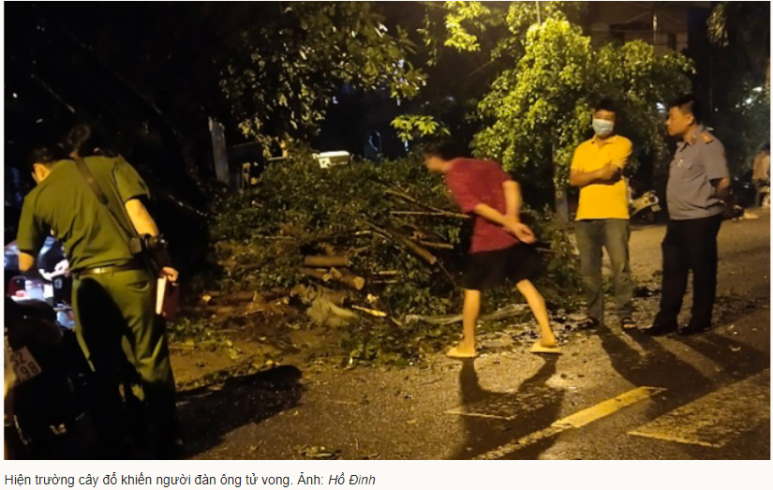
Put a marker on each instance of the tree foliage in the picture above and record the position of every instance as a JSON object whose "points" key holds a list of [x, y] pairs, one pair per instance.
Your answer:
{"points": [[267, 69], [744, 125], [282, 72], [746, 25], [540, 110], [466, 45], [409, 127], [297, 209], [740, 76], [544, 80]]}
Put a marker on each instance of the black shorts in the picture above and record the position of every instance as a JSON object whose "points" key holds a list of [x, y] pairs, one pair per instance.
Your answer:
{"points": [[487, 270]]}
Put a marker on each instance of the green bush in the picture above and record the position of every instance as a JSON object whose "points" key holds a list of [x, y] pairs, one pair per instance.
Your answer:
{"points": [[296, 209]]}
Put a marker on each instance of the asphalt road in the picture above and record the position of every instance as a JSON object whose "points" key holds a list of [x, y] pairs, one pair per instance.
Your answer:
{"points": [[610, 396]]}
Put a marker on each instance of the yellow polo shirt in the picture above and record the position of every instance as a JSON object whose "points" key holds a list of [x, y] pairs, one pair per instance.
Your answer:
{"points": [[601, 201]]}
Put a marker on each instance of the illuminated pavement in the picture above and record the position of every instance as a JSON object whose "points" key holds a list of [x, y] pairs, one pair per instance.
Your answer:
{"points": [[610, 396]]}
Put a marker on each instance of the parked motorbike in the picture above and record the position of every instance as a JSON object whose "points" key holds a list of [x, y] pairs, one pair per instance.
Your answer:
{"points": [[743, 191], [47, 410], [644, 208], [46, 414]]}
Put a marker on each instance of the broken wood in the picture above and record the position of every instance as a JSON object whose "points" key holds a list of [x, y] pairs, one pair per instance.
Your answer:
{"points": [[334, 296], [358, 251], [342, 276], [307, 294], [368, 311], [506, 312], [423, 253], [407, 198], [418, 250], [316, 274], [320, 261], [423, 234], [347, 277], [444, 246]]}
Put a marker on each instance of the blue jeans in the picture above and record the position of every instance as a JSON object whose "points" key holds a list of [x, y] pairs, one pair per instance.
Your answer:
{"points": [[612, 235]]}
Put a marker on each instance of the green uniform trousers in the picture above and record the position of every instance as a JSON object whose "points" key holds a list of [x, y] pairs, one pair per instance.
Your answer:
{"points": [[115, 322]]}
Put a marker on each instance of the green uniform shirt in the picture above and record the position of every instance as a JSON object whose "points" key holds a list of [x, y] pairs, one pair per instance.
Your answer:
{"points": [[65, 204]]}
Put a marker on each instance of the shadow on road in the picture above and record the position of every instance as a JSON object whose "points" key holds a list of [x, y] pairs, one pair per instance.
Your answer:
{"points": [[738, 361], [208, 413], [683, 383], [657, 367], [489, 420], [729, 309]]}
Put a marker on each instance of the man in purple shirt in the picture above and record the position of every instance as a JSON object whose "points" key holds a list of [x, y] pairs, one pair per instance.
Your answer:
{"points": [[500, 247]]}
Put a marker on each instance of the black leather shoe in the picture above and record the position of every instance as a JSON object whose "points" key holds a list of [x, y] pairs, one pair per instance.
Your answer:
{"points": [[658, 329], [691, 330]]}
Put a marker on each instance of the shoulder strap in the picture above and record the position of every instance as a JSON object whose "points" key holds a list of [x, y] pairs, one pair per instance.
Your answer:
{"points": [[91, 181], [101, 196]]}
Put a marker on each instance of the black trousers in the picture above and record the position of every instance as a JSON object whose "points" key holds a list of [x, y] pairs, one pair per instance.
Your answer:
{"points": [[690, 245]]}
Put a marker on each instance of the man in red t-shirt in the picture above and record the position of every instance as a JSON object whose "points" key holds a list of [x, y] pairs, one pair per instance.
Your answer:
{"points": [[500, 248]]}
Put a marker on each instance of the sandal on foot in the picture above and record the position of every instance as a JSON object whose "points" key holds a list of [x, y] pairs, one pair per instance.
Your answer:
{"points": [[627, 323], [455, 353], [588, 323], [538, 348]]}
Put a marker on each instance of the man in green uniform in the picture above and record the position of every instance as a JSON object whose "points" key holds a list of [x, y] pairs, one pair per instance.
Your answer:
{"points": [[113, 293]]}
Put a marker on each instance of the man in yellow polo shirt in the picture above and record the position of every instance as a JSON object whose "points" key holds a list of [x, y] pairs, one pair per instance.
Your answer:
{"points": [[602, 217]]}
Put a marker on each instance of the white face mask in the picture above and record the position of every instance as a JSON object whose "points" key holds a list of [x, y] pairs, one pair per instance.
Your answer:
{"points": [[602, 127]]}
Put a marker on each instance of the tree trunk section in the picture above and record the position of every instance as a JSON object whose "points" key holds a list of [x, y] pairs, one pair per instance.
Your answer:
{"points": [[324, 261]]}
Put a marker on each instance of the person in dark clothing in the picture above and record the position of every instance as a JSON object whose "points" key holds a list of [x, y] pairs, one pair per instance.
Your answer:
{"points": [[113, 291], [698, 185]]}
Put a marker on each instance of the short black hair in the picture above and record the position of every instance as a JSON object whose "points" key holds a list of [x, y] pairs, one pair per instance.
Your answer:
{"points": [[46, 155], [84, 138], [77, 137], [689, 104], [447, 150], [605, 105]]}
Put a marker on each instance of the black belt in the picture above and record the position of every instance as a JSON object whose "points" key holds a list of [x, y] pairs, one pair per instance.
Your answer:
{"points": [[110, 269]]}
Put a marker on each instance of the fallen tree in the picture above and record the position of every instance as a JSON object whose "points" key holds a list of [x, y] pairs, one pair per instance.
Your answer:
{"points": [[373, 244]]}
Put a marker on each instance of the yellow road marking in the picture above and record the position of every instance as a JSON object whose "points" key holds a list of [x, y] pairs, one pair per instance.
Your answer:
{"points": [[713, 420], [665, 436], [577, 420], [607, 407]]}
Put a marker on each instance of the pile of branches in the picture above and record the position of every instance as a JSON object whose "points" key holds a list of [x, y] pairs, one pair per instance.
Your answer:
{"points": [[353, 243]]}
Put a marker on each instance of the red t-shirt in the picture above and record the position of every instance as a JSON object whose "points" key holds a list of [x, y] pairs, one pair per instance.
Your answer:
{"points": [[474, 182]]}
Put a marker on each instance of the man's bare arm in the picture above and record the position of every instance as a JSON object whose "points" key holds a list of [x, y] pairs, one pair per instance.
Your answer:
{"points": [[26, 262], [521, 231], [145, 225], [610, 174], [513, 199], [141, 220], [491, 214]]}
